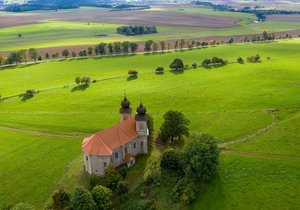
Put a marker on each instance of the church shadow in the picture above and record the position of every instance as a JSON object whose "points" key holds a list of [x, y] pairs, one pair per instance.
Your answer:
{"points": [[80, 88]]}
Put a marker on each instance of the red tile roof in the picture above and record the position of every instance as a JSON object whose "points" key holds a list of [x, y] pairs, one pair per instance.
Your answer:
{"points": [[104, 142]]}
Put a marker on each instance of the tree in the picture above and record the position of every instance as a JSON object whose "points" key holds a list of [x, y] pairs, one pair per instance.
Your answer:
{"points": [[2, 60], [117, 47], [102, 197], [125, 47], [110, 47], [198, 43], [181, 43], [176, 44], [90, 51], [77, 80], [240, 60], [96, 50], [86, 80], [73, 54], [112, 177], [133, 72], [133, 47], [160, 69], [14, 57], [34, 54], [177, 64], [174, 125], [65, 53], [47, 56], [102, 48], [206, 62], [169, 161], [162, 45], [40, 58], [155, 47], [61, 199], [122, 187], [201, 155], [194, 65], [168, 46], [82, 200], [148, 45]]}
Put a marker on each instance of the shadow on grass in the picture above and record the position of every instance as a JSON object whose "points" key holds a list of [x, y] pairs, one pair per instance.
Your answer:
{"points": [[177, 72], [25, 97], [79, 88], [27, 65], [132, 77], [159, 72]]}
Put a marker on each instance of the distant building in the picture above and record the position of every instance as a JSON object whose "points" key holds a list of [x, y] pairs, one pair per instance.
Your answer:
{"points": [[118, 144]]}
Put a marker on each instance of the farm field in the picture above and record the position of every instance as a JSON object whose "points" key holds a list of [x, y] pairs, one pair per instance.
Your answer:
{"points": [[230, 102], [65, 28]]}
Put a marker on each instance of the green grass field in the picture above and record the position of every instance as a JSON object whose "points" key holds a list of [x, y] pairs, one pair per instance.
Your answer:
{"points": [[51, 33], [228, 102]]}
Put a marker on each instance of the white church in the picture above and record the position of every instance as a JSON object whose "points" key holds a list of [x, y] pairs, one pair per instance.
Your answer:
{"points": [[118, 144]]}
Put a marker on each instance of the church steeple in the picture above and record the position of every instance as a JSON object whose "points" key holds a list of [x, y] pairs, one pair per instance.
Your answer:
{"points": [[125, 110]]}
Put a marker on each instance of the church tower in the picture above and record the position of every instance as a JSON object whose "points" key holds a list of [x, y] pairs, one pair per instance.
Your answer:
{"points": [[142, 128], [125, 110]]}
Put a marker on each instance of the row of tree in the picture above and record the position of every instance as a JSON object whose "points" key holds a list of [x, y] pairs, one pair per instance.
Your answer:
{"points": [[132, 30]]}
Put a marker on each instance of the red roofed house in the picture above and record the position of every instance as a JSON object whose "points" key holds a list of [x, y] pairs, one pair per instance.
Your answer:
{"points": [[118, 144]]}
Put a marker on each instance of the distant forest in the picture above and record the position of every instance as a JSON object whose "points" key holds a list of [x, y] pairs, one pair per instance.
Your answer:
{"points": [[133, 30], [69, 4]]}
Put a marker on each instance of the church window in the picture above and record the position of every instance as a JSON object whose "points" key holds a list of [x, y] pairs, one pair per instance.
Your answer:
{"points": [[87, 158], [134, 145], [126, 150], [142, 127], [105, 164], [116, 155]]}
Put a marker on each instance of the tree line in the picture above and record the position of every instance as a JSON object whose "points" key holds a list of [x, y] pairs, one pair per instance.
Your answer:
{"points": [[132, 30], [126, 47]]}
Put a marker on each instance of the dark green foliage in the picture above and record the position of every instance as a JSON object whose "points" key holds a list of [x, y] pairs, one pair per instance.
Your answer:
{"points": [[61, 199], [148, 45], [122, 187], [125, 47], [240, 60], [177, 64], [73, 54], [206, 62], [34, 53], [194, 65], [82, 53], [40, 58], [254, 59], [47, 56], [133, 72], [85, 80], [102, 48], [186, 189], [201, 155], [169, 161], [15, 57], [123, 171], [82, 200], [102, 197], [95, 180], [218, 61], [117, 47], [159, 69], [132, 30], [65, 53], [174, 125], [112, 177], [90, 51], [133, 47]]}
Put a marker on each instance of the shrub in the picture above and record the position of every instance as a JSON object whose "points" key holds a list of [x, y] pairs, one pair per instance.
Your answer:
{"points": [[102, 197], [253, 59], [159, 69], [82, 200], [132, 72], [177, 64], [169, 160], [240, 60], [194, 65], [122, 187], [61, 199]]}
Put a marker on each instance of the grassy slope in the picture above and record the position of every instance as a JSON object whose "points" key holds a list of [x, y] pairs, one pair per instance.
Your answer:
{"points": [[30, 166], [226, 102], [59, 33]]}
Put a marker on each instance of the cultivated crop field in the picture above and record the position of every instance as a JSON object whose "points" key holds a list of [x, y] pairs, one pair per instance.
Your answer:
{"points": [[90, 26], [252, 109]]}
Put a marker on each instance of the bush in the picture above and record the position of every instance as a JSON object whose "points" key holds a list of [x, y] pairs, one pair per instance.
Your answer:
{"points": [[159, 69], [122, 187], [82, 200], [169, 160], [194, 65], [61, 199], [102, 197], [112, 177], [253, 59], [177, 64], [95, 180], [133, 72], [240, 60]]}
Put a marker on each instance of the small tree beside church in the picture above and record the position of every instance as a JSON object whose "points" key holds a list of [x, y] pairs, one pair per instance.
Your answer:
{"points": [[174, 126]]}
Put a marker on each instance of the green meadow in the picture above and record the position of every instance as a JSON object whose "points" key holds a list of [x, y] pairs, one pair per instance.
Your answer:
{"points": [[51, 33], [228, 102]]}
